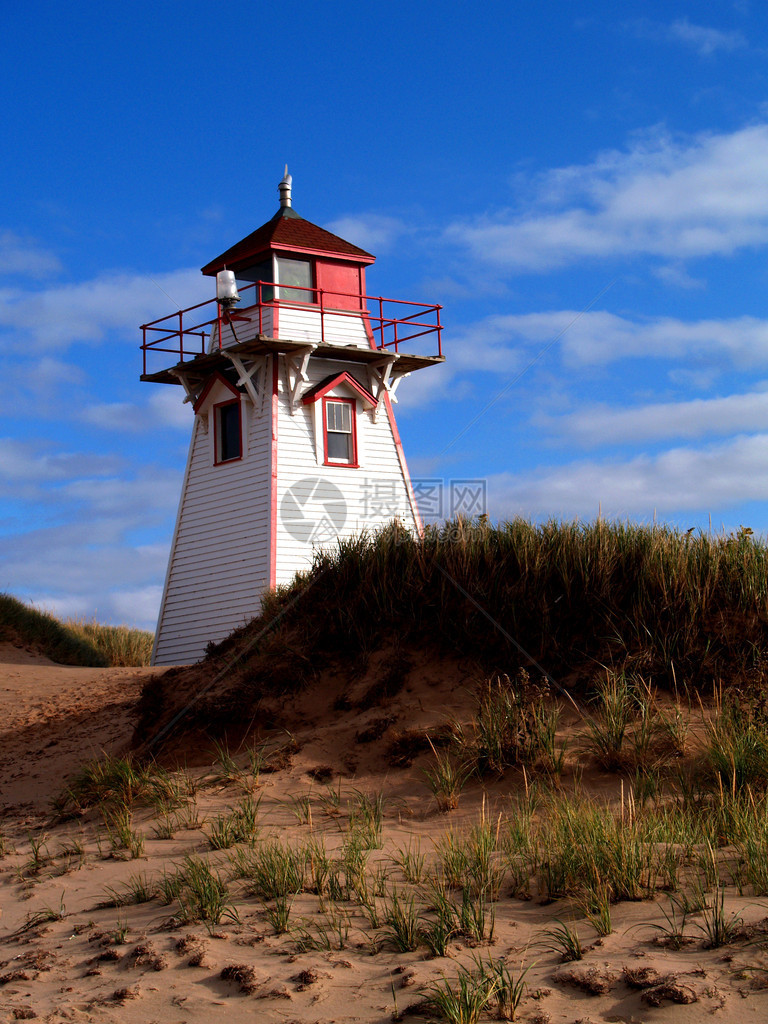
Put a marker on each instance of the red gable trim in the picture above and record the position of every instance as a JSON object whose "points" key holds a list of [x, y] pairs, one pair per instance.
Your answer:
{"points": [[215, 378], [321, 390]]}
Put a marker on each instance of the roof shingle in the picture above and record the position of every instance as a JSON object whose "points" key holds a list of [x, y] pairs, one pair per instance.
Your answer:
{"points": [[285, 230]]}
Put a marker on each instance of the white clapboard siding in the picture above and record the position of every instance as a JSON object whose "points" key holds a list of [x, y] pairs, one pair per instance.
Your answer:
{"points": [[380, 471], [336, 329], [219, 563], [294, 324]]}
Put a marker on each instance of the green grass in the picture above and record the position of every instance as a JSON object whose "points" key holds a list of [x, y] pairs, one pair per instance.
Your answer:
{"points": [[72, 642], [121, 782], [682, 610], [118, 645]]}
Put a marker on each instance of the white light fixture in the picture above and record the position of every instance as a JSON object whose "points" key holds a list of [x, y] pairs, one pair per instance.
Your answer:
{"points": [[226, 289]]}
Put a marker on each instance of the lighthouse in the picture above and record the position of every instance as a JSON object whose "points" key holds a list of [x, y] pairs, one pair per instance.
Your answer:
{"points": [[290, 372]]}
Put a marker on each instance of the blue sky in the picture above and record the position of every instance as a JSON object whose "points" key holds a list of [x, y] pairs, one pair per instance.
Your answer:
{"points": [[583, 187]]}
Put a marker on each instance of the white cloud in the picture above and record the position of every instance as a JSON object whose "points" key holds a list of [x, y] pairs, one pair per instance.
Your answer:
{"points": [[138, 606], [42, 386], [505, 343], [731, 414], [661, 198], [24, 256], [687, 480], [53, 318], [164, 407], [24, 461], [370, 231], [676, 275], [703, 39]]}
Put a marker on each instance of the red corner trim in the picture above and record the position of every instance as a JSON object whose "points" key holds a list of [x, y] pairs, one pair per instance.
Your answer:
{"points": [[273, 471], [403, 463], [215, 378], [321, 390]]}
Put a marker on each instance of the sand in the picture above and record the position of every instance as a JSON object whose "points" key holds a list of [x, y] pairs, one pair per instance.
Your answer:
{"points": [[66, 957]]}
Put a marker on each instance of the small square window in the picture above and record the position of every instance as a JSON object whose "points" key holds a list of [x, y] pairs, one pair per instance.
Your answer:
{"points": [[340, 437], [229, 442]]}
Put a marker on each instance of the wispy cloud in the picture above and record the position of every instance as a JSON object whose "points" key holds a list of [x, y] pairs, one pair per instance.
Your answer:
{"points": [[684, 479], [658, 421], [164, 407], [703, 39], [22, 461], [371, 231], [597, 337], [24, 256], [664, 197], [114, 304]]}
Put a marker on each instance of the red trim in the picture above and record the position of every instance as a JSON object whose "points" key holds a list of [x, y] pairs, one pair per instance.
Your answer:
{"points": [[325, 253], [321, 390], [273, 472], [215, 378], [369, 332], [403, 463], [354, 464], [217, 461]]}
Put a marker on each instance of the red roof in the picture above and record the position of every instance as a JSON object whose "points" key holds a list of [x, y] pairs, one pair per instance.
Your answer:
{"points": [[287, 231]]}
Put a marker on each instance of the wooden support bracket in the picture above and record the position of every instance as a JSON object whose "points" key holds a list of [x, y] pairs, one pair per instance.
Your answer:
{"points": [[296, 373], [383, 378], [254, 388], [192, 389]]}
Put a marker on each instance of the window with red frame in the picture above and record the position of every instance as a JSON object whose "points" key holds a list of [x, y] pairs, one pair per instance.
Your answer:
{"points": [[229, 441], [340, 437]]}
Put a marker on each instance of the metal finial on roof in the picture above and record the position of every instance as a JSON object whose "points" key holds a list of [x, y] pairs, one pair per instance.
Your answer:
{"points": [[284, 188]]}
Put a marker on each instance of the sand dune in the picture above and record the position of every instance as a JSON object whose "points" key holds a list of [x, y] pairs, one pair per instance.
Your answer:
{"points": [[66, 957]]}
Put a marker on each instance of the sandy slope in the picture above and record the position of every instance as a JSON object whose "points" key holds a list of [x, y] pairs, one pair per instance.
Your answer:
{"points": [[71, 969]]}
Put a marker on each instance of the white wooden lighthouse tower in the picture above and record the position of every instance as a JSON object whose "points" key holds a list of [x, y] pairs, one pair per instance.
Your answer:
{"points": [[294, 442]]}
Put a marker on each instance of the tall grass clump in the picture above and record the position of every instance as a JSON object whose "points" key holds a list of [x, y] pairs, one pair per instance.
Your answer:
{"points": [[623, 590], [121, 782], [618, 589], [118, 645], [20, 623], [682, 609], [737, 744], [73, 641], [509, 726]]}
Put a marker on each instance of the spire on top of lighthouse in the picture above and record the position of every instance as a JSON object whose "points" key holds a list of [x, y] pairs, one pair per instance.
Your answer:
{"points": [[284, 188]]}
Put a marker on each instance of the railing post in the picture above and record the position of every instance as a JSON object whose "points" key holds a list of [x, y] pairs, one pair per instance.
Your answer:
{"points": [[144, 350], [439, 333], [181, 336], [381, 322]]}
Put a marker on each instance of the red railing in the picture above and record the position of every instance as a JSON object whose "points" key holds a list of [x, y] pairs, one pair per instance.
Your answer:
{"points": [[185, 335]]}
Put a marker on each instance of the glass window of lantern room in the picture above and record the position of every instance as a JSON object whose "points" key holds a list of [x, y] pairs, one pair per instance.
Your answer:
{"points": [[246, 279], [297, 274], [229, 442], [340, 437]]}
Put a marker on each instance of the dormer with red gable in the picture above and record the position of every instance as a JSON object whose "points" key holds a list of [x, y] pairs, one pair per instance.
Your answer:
{"points": [[290, 373]]}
